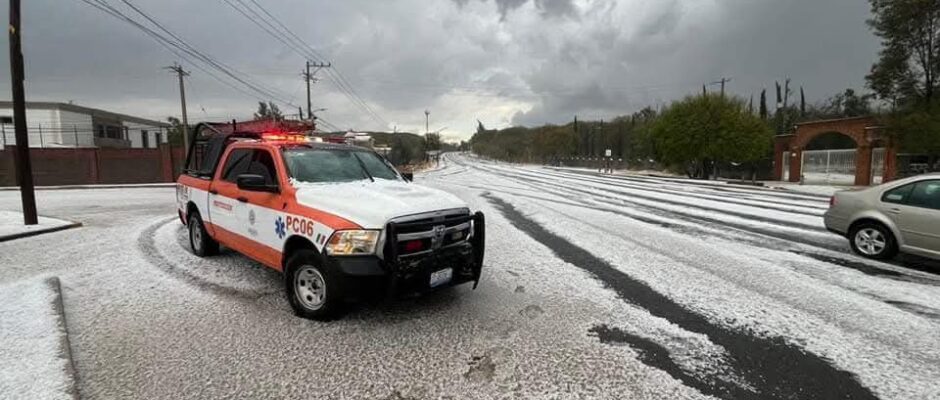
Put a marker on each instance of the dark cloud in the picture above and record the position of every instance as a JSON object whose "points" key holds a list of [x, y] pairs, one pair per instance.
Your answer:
{"points": [[502, 61], [556, 8]]}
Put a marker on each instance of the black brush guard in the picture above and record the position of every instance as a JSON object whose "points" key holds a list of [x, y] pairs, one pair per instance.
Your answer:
{"points": [[393, 260]]}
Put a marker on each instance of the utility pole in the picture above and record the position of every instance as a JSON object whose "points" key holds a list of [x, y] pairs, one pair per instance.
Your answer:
{"points": [[24, 168], [178, 69], [309, 77], [721, 82], [427, 134]]}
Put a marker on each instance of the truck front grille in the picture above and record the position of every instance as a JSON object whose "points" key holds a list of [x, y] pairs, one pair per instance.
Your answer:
{"points": [[420, 235]]}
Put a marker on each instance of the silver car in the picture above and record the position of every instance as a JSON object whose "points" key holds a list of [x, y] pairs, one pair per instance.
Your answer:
{"points": [[903, 215]]}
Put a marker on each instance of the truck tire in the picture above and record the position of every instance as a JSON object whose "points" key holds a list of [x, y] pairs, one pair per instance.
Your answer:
{"points": [[873, 240], [313, 290], [200, 242]]}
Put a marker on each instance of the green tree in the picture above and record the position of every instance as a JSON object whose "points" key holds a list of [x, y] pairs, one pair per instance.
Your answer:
{"points": [[268, 110], [700, 130], [917, 129], [175, 132], [908, 64]]}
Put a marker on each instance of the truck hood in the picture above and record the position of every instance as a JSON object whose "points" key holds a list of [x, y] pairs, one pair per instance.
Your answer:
{"points": [[372, 204]]}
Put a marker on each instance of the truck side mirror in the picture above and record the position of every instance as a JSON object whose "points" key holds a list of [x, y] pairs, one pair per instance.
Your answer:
{"points": [[254, 183], [409, 176]]}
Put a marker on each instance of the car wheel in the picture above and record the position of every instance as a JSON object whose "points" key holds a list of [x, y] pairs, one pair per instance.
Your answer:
{"points": [[872, 240], [199, 241], [313, 290]]}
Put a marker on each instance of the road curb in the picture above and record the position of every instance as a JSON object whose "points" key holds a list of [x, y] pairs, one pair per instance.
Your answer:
{"points": [[65, 345], [88, 187], [38, 232]]}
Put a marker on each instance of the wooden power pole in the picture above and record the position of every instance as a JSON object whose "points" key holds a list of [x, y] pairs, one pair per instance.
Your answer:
{"points": [[178, 69], [309, 78], [24, 167]]}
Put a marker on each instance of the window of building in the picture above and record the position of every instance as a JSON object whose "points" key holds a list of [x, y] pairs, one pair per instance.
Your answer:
{"points": [[145, 139]]}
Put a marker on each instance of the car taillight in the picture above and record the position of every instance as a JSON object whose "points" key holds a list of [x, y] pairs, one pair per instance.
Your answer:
{"points": [[832, 201]]}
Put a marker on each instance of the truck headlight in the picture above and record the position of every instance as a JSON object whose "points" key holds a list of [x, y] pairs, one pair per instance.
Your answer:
{"points": [[352, 243]]}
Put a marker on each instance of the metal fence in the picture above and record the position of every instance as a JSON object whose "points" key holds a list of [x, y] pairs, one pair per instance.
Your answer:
{"points": [[79, 136], [829, 167]]}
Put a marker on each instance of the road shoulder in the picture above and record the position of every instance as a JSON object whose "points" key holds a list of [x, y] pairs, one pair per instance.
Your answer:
{"points": [[35, 354]]}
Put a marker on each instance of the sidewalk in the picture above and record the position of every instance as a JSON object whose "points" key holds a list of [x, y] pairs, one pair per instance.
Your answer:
{"points": [[11, 226], [115, 186], [821, 191], [35, 354]]}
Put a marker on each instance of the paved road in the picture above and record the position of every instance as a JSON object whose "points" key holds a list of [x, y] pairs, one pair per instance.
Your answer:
{"points": [[595, 287]]}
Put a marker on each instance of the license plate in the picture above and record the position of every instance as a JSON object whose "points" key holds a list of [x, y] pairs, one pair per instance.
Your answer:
{"points": [[441, 277]]}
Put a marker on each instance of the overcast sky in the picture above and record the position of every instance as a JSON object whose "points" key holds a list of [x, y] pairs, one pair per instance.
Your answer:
{"points": [[504, 62]]}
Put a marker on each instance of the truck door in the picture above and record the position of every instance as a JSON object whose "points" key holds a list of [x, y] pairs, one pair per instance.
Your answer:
{"points": [[260, 213], [223, 197]]}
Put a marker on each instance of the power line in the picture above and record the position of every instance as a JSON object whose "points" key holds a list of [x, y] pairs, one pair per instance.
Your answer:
{"points": [[283, 34], [187, 52], [205, 58]]}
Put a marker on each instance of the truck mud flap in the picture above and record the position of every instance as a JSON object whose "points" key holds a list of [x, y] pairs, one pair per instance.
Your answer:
{"points": [[479, 242]]}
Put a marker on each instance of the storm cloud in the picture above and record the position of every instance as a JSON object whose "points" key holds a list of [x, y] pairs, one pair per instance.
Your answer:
{"points": [[500, 61]]}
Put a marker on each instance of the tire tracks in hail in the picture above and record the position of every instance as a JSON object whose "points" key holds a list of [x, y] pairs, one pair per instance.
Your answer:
{"points": [[146, 244], [770, 367]]}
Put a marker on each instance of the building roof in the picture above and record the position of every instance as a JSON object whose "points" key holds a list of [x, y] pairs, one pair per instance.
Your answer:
{"points": [[41, 105]]}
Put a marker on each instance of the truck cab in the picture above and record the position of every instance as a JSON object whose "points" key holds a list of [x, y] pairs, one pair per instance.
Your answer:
{"points": [[339, 221]]}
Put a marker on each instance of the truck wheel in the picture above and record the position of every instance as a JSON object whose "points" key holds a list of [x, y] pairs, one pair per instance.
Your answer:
{"points": [[872, 240], [199, 240], [312, 289]]}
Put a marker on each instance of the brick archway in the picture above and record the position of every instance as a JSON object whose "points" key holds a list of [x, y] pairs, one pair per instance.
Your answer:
{"points": [[865, 131]]}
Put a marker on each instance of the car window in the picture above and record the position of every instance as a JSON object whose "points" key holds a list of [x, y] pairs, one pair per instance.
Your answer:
{"points": [[898, 195], [926, 194], [326, 165], [237, 163], [376, 166], [263, 164]]}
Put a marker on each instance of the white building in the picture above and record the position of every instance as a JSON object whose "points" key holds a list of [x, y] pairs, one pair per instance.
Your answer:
{"points": [[53, 125]]}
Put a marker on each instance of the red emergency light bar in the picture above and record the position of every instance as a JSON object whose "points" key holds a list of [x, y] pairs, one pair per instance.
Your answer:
{"points": [[284, 137]]}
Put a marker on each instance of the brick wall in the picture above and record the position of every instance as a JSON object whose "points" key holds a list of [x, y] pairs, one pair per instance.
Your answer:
{"points": [[89, 166]]}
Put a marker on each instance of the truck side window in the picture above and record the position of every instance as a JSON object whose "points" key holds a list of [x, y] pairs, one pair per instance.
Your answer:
{"points": [[898, 195], [237, 163], [263, 164], [926, 194]]}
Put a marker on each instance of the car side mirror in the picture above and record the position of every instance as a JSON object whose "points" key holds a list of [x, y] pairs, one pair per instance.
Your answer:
{"points": [[409, 176], [254, 183]]}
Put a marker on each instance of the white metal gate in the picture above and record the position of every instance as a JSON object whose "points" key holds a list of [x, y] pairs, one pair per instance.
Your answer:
{"points": [[829, 167], [877, 166], [785, 164]]}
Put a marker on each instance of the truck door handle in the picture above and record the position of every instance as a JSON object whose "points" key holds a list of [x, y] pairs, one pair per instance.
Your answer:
{"points": [[213, 191], [243, 199], [894, 210]]}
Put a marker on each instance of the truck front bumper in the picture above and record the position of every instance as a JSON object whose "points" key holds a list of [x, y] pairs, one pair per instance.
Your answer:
{"points": [[370, 275]]}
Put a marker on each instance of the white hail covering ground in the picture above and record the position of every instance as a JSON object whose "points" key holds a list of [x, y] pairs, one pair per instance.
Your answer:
{"points": [[842, 314], [11, 223], [32, 362], [149, 320]]}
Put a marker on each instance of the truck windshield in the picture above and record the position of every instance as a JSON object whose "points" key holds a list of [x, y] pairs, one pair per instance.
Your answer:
{"points": [[336, 165]]}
